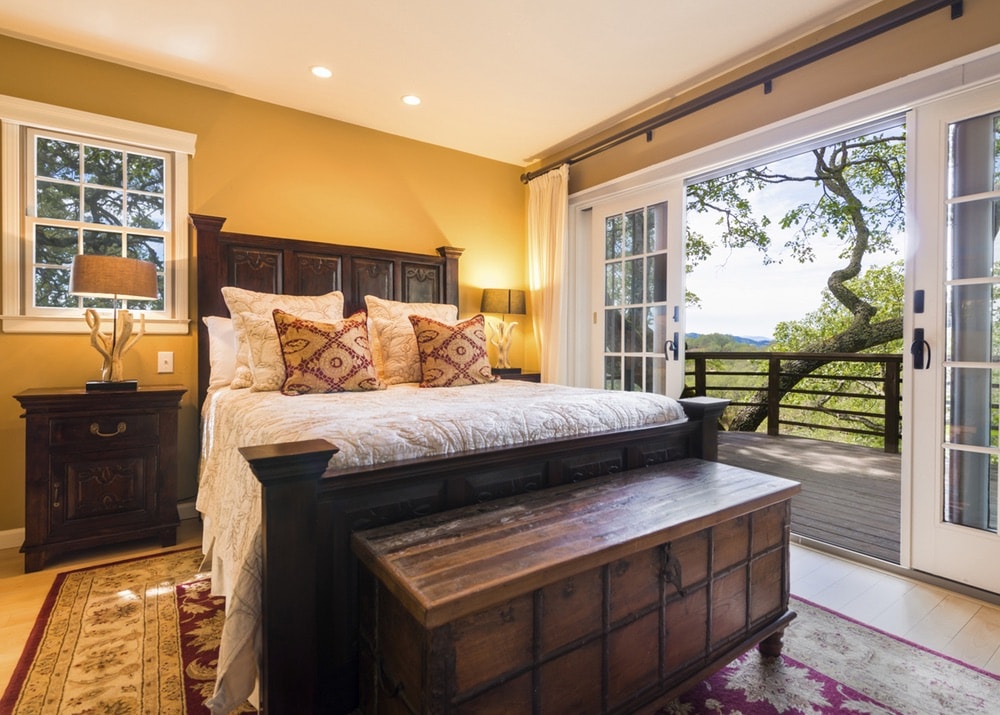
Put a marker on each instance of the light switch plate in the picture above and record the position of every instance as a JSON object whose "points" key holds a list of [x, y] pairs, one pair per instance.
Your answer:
{"points": [[164, 362]]}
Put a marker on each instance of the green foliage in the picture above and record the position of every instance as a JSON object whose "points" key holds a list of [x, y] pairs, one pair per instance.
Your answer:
{"points": [[881, 286]]}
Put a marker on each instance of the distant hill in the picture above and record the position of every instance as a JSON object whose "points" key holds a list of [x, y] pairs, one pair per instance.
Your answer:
{"points": [[722, 342]]}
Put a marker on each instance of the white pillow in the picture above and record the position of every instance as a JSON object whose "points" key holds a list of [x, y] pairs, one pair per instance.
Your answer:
{"points": [[393, 342], [328, 307], [221, 350], [266, 363]]}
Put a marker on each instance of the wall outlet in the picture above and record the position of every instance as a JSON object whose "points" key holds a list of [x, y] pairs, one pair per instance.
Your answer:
{"points": [[164, 362]]}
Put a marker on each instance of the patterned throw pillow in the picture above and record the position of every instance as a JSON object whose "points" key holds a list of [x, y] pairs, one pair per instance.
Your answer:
{"points": [[452, 355], [394, 348], [325, 357], [241, 301]]}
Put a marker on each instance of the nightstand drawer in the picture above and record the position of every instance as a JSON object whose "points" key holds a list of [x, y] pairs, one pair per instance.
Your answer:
{"points": [[103, 430]]}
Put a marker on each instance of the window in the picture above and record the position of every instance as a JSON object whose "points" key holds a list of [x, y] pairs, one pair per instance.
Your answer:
{"points": [[91, 198], [92, 185]]}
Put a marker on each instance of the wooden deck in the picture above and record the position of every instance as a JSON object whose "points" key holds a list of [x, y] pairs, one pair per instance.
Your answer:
{"points": [[850, 495]]}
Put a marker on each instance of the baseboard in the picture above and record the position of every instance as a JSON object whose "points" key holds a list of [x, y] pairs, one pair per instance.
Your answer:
{"points": [[186, 510], [13, 538]]}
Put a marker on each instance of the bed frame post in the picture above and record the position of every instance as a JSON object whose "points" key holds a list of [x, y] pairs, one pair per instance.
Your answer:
{"points": [[708, 410], [451, 256], [210, 271], [289, 474]]}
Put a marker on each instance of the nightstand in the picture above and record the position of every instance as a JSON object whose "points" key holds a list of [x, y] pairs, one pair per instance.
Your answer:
{"points": [[522, 376], [100, 467]]}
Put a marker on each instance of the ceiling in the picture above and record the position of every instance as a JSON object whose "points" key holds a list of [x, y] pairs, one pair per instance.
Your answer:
{"points": [[509, 80]]}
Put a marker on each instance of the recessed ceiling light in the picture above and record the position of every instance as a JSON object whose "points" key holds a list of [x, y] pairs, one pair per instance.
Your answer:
{"points": [[321, 72], [411, 99]]}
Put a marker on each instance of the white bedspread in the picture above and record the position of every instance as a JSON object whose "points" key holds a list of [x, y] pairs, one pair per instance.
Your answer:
{"points": [[404, 421]]}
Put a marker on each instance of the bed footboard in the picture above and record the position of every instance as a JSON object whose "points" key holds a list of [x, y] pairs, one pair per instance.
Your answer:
{"points": [[309, 581]]}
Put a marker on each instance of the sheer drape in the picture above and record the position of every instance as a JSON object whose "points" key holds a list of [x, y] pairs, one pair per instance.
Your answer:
{"points": [[548, 205]]}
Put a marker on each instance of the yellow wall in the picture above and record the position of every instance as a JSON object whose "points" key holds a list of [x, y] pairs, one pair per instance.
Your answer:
{"points": [[916, 46], [274, 171], [270, 171]]}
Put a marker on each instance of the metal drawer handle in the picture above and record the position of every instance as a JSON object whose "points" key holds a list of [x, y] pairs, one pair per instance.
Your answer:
{"points": [[96, 429]]}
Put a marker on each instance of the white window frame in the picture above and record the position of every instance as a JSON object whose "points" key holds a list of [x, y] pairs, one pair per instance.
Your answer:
{"points": [[17, 115]]}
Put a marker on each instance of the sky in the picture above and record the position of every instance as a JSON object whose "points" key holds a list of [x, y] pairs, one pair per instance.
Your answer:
{"points": [[741, 296]]}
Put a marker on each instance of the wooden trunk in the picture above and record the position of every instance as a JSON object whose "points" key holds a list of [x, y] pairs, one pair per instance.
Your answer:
{"points": [[595, 598]]}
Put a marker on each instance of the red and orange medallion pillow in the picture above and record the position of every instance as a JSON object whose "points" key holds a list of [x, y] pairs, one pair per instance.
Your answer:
{"points": [[325, 357], [452, 355]]}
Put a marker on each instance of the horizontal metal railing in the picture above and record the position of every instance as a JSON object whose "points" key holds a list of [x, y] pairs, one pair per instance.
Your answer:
{"points": [[861, 402]]}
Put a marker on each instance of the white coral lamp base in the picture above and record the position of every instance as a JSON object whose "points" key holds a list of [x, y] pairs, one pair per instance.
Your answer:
{"points": [[502, 335], [113, 347]]}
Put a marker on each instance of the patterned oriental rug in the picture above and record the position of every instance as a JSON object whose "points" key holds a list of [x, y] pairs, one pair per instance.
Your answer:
{"points": [[138, 636], [142, 636]]}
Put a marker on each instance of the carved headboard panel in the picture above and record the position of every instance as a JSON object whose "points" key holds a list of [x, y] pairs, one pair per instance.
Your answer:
{"points": [[285, 265]]}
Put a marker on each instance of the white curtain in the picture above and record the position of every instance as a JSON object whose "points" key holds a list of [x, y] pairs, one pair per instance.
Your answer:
{"points": [[548, 206]]}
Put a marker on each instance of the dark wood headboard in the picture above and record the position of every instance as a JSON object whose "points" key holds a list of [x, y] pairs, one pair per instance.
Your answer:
{"points": [[285, 265]]}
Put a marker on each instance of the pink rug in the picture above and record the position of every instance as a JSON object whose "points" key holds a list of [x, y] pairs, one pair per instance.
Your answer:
{"points": [[833, 664]]}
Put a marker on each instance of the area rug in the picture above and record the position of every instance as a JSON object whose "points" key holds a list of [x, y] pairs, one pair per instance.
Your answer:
{"points": [[142, 636], [138, 636], [832, 664]]}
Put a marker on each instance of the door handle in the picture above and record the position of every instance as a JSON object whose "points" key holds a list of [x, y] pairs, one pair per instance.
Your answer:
{"points": [[671, 348], [918, 348]]}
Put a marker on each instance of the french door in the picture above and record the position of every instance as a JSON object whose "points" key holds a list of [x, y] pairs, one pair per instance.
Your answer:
{"points": [[954, 325], [639, 292]]}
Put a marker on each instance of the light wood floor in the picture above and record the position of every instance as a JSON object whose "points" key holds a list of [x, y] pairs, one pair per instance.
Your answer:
{"points": [[960, 626], [963, 627]]}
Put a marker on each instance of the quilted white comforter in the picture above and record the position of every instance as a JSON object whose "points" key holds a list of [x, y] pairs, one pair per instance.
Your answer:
{"points": [[404, 421]]}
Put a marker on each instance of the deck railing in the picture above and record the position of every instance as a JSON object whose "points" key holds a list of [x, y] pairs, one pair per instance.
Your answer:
{"points": [[850, 397]]}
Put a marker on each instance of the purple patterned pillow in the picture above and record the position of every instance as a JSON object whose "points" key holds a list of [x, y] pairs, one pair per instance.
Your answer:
{"points": [[325, 357], [452, 355]]}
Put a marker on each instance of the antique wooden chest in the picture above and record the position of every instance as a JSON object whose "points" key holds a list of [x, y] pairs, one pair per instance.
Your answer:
{"points": [[602, 597]]}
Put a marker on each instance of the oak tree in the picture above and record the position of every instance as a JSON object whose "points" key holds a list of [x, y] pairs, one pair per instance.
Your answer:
{"points": [[858, 201]]}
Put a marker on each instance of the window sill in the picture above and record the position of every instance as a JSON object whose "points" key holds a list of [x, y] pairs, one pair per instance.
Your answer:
{"points": [[64, 325]]}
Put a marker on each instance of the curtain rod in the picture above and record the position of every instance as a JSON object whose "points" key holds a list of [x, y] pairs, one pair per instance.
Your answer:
{"points": [[866, 30]]}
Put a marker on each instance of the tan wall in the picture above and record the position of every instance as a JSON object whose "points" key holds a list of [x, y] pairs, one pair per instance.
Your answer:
{"points": [[919, 45], [270, 171]]}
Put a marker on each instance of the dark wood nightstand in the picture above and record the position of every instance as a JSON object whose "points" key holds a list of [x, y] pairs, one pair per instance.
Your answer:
{"points": [[100, 467], [523, 376]]}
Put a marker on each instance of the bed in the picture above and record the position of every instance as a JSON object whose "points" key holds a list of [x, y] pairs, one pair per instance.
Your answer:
{"points": [[278, 541]]}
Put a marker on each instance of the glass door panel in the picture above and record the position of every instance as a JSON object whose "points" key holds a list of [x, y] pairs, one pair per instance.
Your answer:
{"points": [[971, 363]]}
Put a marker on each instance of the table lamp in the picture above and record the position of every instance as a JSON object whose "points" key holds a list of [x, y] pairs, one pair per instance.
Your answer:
{"points": [[505, 302], [115, 277]]}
